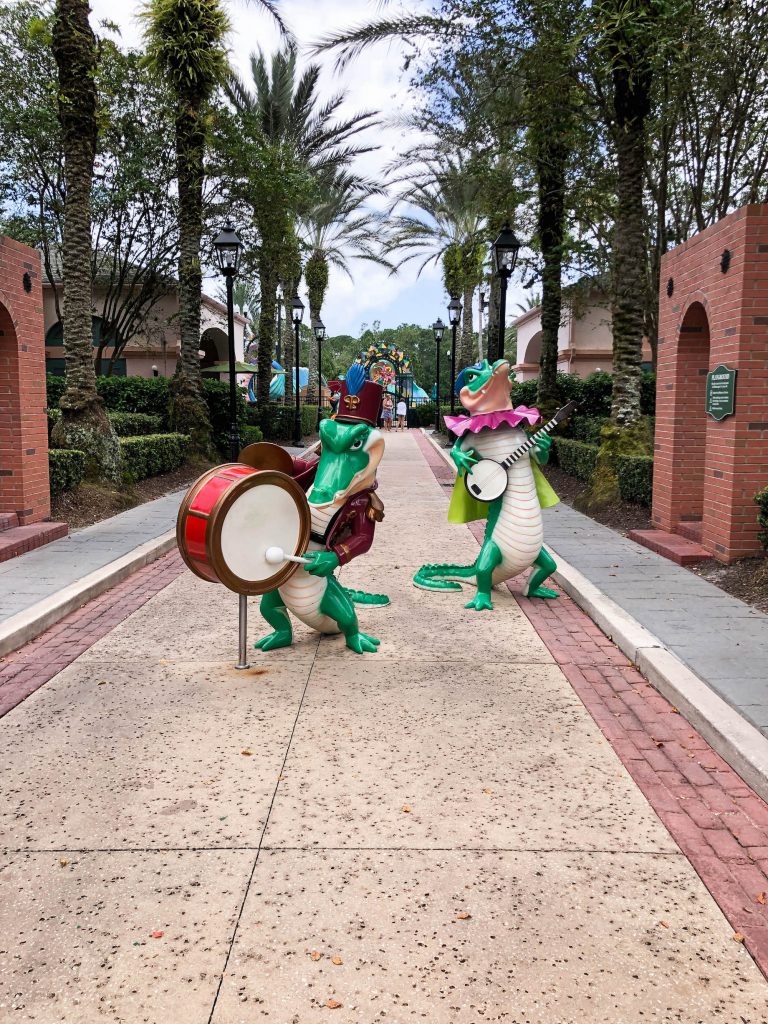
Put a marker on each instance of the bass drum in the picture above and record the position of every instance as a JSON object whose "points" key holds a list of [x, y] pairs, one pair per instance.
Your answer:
{"points": [[228, 519]]}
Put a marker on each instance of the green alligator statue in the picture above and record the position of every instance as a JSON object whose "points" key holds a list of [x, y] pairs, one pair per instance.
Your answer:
{"points": [[345, 509], [514, 534]]}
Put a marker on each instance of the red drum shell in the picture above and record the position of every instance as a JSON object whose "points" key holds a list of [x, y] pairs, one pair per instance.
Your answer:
{"points": [[205, 505]]}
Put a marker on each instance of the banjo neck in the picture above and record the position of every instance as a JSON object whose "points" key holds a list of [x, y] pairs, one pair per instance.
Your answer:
{"points": [[542, 432]]}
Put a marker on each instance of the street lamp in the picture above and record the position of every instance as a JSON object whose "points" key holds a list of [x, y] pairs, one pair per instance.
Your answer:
{"points": [[454, 315], [228, 247], [483, 304], [438, 329], [297, 312], [505, 250], [319, 328]]}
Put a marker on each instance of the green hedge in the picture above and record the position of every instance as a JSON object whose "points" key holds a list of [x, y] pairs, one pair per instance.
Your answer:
{"points": [[250, 435], [125, 424], [66, 470], [152, 455], [761, 500], [150, 396], [277, 421], [587, 428], [575, 457], [635, 476], [308, 419], [593, 393]]}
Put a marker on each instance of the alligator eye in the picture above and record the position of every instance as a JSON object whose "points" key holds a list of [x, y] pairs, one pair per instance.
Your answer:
{"points": [[356, 445], [469, 377]]}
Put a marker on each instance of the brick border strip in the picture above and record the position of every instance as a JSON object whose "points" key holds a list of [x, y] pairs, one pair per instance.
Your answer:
{"points": [[27, 669], [719, 823]]}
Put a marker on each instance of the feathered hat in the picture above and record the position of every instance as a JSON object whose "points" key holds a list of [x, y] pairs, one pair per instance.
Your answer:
{"points": [[360, 398]]}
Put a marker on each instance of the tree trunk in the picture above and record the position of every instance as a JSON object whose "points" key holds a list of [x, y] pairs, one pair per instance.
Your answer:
{"points": [[316, 277], [189, 411], [631, 100], [268, 279], [551, 185], [467, 344], [83, 423]]}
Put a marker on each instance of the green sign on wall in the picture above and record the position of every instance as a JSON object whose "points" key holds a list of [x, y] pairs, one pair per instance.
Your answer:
{"points": [[721, 392]]}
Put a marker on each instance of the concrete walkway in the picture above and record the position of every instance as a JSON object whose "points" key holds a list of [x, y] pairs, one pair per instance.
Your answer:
{"points": [[721, 639], [436, 832], [44, 572]]}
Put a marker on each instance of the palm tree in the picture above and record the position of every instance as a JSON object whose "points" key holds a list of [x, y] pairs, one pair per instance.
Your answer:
{"points": [[83, 423], [186, 44], [452, 234], [294, 142], [335, 231]]}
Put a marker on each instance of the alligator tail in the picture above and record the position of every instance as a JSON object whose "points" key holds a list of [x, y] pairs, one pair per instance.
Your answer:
{"points": [[361, 597], [436, 577]]}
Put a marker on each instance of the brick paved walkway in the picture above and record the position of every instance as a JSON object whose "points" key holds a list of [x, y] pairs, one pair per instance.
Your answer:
{"points": [[717, 820], [439, 832]]}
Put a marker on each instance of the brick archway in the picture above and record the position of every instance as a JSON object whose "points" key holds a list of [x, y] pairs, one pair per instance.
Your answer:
{"points": [[713, 309], [24, 490]]}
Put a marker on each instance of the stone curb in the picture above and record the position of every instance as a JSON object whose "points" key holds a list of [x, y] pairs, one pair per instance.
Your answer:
{"points": [[26, 625], [736, 740]]}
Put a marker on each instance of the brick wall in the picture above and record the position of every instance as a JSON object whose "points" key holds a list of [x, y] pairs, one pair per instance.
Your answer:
{"points": [[23, 427], [704, 469]]}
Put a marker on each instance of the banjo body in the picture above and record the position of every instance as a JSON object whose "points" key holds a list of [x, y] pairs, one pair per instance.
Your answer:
{"points": [[487, 479]]}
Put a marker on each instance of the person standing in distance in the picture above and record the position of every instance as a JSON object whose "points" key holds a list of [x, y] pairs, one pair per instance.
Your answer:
{"points": [[402, 412]]}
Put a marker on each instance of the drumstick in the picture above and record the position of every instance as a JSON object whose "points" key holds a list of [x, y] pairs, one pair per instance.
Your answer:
{"points": [[276, 555]]}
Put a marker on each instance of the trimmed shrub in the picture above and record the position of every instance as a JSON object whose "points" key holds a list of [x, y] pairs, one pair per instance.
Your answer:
{"points": [[54, 387], [275, 421], [524, 392], [308, 419], [66, 469], [761, 500], [250, 435], [575, 457], [135, 424], [635, 476], [648, 394], [152, 455], [216, 394], [587, 428]]}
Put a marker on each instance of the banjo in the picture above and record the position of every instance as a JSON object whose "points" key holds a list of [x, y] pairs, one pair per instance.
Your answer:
{"points": [[487, 480]]}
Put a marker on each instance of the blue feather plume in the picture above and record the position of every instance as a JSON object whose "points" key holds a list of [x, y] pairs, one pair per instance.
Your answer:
{"points": [[355, 378]]}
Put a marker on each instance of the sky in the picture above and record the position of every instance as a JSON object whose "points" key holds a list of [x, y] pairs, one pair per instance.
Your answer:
{"points": [[373, 82]]}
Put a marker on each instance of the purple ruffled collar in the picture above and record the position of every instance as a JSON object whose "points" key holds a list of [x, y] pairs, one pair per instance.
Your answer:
{"points": [[461, 425]]}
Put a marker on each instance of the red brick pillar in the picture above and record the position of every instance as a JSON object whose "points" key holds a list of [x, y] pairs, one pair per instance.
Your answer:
{"points": [[717, 313], [24, 489]]}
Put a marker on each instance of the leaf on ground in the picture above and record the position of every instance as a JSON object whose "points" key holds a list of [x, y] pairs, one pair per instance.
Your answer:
{"points": [[315, 955], [337, 960], [761, 898], [333, 1004], [463, 916], [156, 935], [102, 682], [63, 863], [659, 743], [487, 792], [738, 937], [406, 808], [247, 753], [664, 924]]}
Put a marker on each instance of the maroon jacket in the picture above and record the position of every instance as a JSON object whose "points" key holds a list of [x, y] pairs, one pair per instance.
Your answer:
{"points": [[350, 532]]}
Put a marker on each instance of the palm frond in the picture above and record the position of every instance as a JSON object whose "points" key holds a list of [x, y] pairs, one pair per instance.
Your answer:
{"points": [[352, 43]]}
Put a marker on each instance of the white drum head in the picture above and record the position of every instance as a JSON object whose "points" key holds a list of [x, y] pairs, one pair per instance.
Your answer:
{"points": [[267, 510]]}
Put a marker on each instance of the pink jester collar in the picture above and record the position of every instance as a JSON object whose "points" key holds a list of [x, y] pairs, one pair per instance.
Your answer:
{"points": [[461, 425]]}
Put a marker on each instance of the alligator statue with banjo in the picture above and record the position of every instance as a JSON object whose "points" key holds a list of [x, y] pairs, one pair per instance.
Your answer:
{"points": [[280, 526], [498, 479]]}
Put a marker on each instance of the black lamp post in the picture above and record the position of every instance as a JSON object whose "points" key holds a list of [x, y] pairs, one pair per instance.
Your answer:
{"points": [[483, 303], [454, 315], [505, 250], [297, 308], [438, 329], [319, 328], [228, 247]]}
